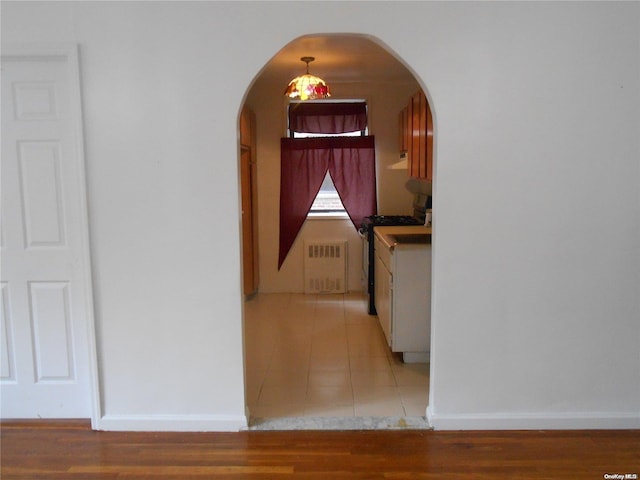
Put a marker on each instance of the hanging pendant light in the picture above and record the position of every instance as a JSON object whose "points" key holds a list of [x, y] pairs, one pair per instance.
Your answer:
{"points": [[307, 86]]}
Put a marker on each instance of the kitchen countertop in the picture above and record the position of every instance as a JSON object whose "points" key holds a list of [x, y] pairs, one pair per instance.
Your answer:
{"points": [[403, 235]]}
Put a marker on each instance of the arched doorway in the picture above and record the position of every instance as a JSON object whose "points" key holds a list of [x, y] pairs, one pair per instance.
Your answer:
{"points": [[356, 67]]}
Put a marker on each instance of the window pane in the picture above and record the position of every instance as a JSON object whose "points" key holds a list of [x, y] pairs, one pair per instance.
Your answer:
{"points": [[357, 133], [327, 199]]}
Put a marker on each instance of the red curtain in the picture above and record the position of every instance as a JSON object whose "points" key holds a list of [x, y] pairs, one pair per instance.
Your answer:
{"points": [[328, 118], [303, 166]]}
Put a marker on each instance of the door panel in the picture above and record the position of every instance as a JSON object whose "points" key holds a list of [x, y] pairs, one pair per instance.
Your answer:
{"points": [[7, 372], [51, 318], [39, 177], [46, 308]]}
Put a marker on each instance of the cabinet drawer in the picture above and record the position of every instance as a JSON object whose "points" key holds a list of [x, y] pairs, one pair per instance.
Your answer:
{"points": [[384, 253]]}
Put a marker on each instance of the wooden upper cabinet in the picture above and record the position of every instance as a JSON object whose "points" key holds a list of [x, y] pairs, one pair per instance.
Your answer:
{"points": [[415, 153], [429, 141], [403, 127], [246, 127], [416, 136]]}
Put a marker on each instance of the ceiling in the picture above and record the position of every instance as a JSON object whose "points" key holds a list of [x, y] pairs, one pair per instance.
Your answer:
{"points": [[338, 59]]}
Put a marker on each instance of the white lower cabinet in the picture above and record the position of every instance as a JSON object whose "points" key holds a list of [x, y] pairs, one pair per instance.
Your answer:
{"points": [[384, 297], [403, 297]]}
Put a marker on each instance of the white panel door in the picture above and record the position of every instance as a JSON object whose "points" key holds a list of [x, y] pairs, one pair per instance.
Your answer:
{"points": [[47, 323]]}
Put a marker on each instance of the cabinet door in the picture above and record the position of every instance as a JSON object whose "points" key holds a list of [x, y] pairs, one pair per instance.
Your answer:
{"points": [[412, 299], [419, 137], [246, 127], [383, 297], [404, 130], [414, 149], [401, 128], [429, 142], [422, 137]]}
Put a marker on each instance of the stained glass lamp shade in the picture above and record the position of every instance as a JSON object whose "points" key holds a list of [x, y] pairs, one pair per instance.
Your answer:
{"points": [[307, 86]]}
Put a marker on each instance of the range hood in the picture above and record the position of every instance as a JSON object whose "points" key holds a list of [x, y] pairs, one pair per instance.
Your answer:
{"points": [[402, 164]]}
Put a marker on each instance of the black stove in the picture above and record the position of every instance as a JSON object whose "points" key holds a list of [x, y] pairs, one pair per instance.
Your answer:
{"points": [[390, 220], [366, 230]]}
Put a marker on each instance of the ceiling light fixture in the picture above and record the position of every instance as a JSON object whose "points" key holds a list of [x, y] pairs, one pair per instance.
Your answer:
{"points": [[307, 86]]}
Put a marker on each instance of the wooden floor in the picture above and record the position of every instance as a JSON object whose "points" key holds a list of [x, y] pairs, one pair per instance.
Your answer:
{"points": [[71, 450]]}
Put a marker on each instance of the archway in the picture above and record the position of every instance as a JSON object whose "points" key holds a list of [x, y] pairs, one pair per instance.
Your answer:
{"points": [[355, 66]]}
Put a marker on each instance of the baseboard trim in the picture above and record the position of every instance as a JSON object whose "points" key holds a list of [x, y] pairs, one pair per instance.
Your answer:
{"points": [[172, 423], [535, 421]]}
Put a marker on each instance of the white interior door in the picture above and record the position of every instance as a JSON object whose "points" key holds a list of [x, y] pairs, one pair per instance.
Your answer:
{"points": [[46, 308]]}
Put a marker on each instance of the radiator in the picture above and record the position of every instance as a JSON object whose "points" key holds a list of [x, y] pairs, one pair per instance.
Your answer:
{"points": [[325, 266]]}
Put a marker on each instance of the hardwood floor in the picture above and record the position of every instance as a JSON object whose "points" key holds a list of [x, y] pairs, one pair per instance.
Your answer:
{"points": [[71, 450]]}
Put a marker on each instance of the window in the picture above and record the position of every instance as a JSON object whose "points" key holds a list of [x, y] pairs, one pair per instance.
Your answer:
{"points": [[315, 118], [337, 146], [327, 203]]}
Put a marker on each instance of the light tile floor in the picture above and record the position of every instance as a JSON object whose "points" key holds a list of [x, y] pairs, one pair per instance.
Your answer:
{"points": [[324, 356]]}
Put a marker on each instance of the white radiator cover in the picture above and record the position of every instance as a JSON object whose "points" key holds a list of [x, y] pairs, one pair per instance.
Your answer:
{"points": [[325, 266]]}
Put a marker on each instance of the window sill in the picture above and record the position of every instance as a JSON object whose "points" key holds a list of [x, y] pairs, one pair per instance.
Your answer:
{"points": [[328, 216]]}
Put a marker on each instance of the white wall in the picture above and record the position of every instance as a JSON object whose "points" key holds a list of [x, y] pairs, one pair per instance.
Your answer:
{"points": [[537, 233]]}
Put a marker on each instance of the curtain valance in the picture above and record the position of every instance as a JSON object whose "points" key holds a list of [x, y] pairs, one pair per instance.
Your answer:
{"points": [[323, 143], [328, 118]]}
